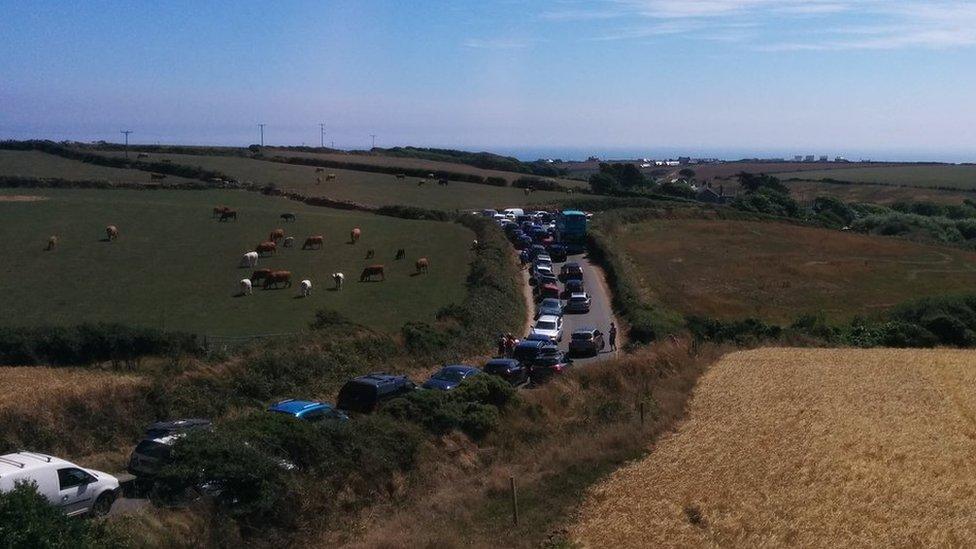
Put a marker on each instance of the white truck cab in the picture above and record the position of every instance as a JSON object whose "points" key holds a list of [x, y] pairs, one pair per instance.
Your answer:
{"points": [[74, 489]]}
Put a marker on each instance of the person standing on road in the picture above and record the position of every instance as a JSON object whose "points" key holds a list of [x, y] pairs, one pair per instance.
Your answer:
{"points": [[613, 336]]}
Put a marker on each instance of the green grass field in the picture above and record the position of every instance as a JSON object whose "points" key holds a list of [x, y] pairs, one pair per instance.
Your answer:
{"points": [[174, 267], [777, 272], [373, 189], [42, 165], [959, 177]]}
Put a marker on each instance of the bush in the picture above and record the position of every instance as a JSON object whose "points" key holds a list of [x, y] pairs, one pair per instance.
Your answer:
{"points": [[28, 520], [496, 181], [472, 408], [740, 332], [89, 343]]}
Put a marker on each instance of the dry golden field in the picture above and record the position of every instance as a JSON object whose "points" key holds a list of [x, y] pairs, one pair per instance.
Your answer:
{"points": [[38, 388], [806, 448]]}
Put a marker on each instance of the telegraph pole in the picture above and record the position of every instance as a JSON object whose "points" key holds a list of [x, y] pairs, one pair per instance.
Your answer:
{"points": [[126, 134], [373, 135], [322, 135], [262, 133]]}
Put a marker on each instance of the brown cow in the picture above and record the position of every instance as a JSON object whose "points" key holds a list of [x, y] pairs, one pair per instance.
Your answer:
{"points": [[330, 177], [423, 264], [228, 214], [319, 170], [219, 210], [354, 235], [260, 274], [313, 242], [368, 273], [276, 235], [112, 232], [269, 247], [276, 277], [51, 243]]}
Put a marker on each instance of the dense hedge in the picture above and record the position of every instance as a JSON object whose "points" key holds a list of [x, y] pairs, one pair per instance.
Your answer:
{"points": [[50, 147], [373, 168], [484, 160], [88, 344], [17, 182], [27, 519]]}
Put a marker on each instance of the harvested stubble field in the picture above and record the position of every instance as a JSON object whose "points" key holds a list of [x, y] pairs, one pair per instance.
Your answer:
{"points": [[175, 267], [806, 448], [36, 164], [776, 272], [926, 175], [806, 192], [368, 188]]}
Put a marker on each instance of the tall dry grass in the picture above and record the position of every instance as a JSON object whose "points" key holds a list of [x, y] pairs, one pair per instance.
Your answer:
{"points": [[810, 448], [565, 436]]}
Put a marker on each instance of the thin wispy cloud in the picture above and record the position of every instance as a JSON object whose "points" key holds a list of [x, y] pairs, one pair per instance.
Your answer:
{"points": [[789, 25]]}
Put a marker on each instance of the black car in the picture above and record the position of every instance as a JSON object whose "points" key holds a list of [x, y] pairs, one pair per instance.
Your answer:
{"points": [[526, 351], [153, 451], [572, 287], [557, 252], [549, 362], [365, 393], [508, 369], [162, 429], [571, 271]]}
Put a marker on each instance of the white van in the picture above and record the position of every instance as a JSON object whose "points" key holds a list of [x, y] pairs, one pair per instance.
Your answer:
{"points": [[514, 212], [74, 489]]}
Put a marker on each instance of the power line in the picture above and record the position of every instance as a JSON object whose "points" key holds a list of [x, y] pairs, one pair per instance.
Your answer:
{"points": [[126, 134], [373, 135], [262, 133]]}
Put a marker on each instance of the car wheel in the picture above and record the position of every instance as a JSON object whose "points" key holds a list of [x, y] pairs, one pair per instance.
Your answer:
{"points": [[103, 504]]}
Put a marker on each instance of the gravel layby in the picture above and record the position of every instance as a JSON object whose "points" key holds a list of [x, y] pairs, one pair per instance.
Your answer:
{"points": [[809, 448]]}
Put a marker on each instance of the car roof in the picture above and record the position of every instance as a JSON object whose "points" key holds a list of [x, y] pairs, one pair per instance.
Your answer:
{"points": [[293, 406], [530, 343], [508, 361], [586, 329], [578, 295], [26, 461], [378, 378], [551, 318], [571, 264]]}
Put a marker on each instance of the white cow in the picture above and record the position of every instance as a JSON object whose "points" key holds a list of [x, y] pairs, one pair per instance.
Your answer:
{"points": [[289, 241], [338, 278], [250, 259], [305, 287], [245, 284]]}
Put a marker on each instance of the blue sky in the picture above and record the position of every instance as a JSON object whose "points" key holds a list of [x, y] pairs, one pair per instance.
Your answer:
{"points": [[878, 78]]}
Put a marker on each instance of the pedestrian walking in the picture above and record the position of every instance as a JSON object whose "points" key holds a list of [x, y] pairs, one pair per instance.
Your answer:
{"points": [[613, 336]]}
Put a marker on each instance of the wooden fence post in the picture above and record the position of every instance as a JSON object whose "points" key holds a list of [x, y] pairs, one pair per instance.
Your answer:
{"points": [[515, 517]]}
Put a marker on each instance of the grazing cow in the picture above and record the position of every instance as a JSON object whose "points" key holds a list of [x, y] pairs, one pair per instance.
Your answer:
{"points": [[288, 216], [305, 287], [260, 274], [250, 259], [442, 182], [246, 286], [526, 191], [112, 232], [401, 176], [228, 214], [474, 244], [156, 176], [276, 235], [219, 210], [354, 235], [430, 176], [422, 264], [368, 273], [330, 177], [313, 242], [319, 170], [51, 243], [401, 253], [370, 253], [266, 247], [278, 277], [338, 279], [289, 241], [141, 155]]}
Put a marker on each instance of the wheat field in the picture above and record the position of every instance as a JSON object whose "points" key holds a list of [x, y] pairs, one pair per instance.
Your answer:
{"points": [[806, 448]]}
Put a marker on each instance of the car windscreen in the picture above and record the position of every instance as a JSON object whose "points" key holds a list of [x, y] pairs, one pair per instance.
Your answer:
{"points": [[449, 375], [545, 325], [577, 299], [153, 449], [582, 336]]}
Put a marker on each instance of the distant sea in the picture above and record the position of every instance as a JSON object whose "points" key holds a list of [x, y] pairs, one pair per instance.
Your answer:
{"points": [[581, 153]]}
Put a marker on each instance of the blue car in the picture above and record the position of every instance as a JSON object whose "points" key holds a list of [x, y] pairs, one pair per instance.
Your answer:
{"points": [[308, 410], [449, 377]]}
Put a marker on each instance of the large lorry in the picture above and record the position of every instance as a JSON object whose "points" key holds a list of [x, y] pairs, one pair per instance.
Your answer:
{"points": [[571, 225]]}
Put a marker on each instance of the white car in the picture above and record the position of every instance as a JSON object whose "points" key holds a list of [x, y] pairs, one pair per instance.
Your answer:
{"points": [[75, 490], [544, 258], [550, 326]]}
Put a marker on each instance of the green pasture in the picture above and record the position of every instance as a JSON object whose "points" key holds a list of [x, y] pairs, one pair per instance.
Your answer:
{"points": [[373, 189], [174, 267], [42, 165], [939, 175]]}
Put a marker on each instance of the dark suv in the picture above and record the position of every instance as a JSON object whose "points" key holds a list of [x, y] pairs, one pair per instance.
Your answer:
{"points": [[526, 351], [365, 393], [508, 369], [153, 450]]}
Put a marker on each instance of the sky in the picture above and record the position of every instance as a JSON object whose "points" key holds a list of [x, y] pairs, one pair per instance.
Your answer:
{"points": [[880, 79]]}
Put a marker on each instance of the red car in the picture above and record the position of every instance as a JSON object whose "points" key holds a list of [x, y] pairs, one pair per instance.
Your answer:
{"points": [[543, 291]]}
